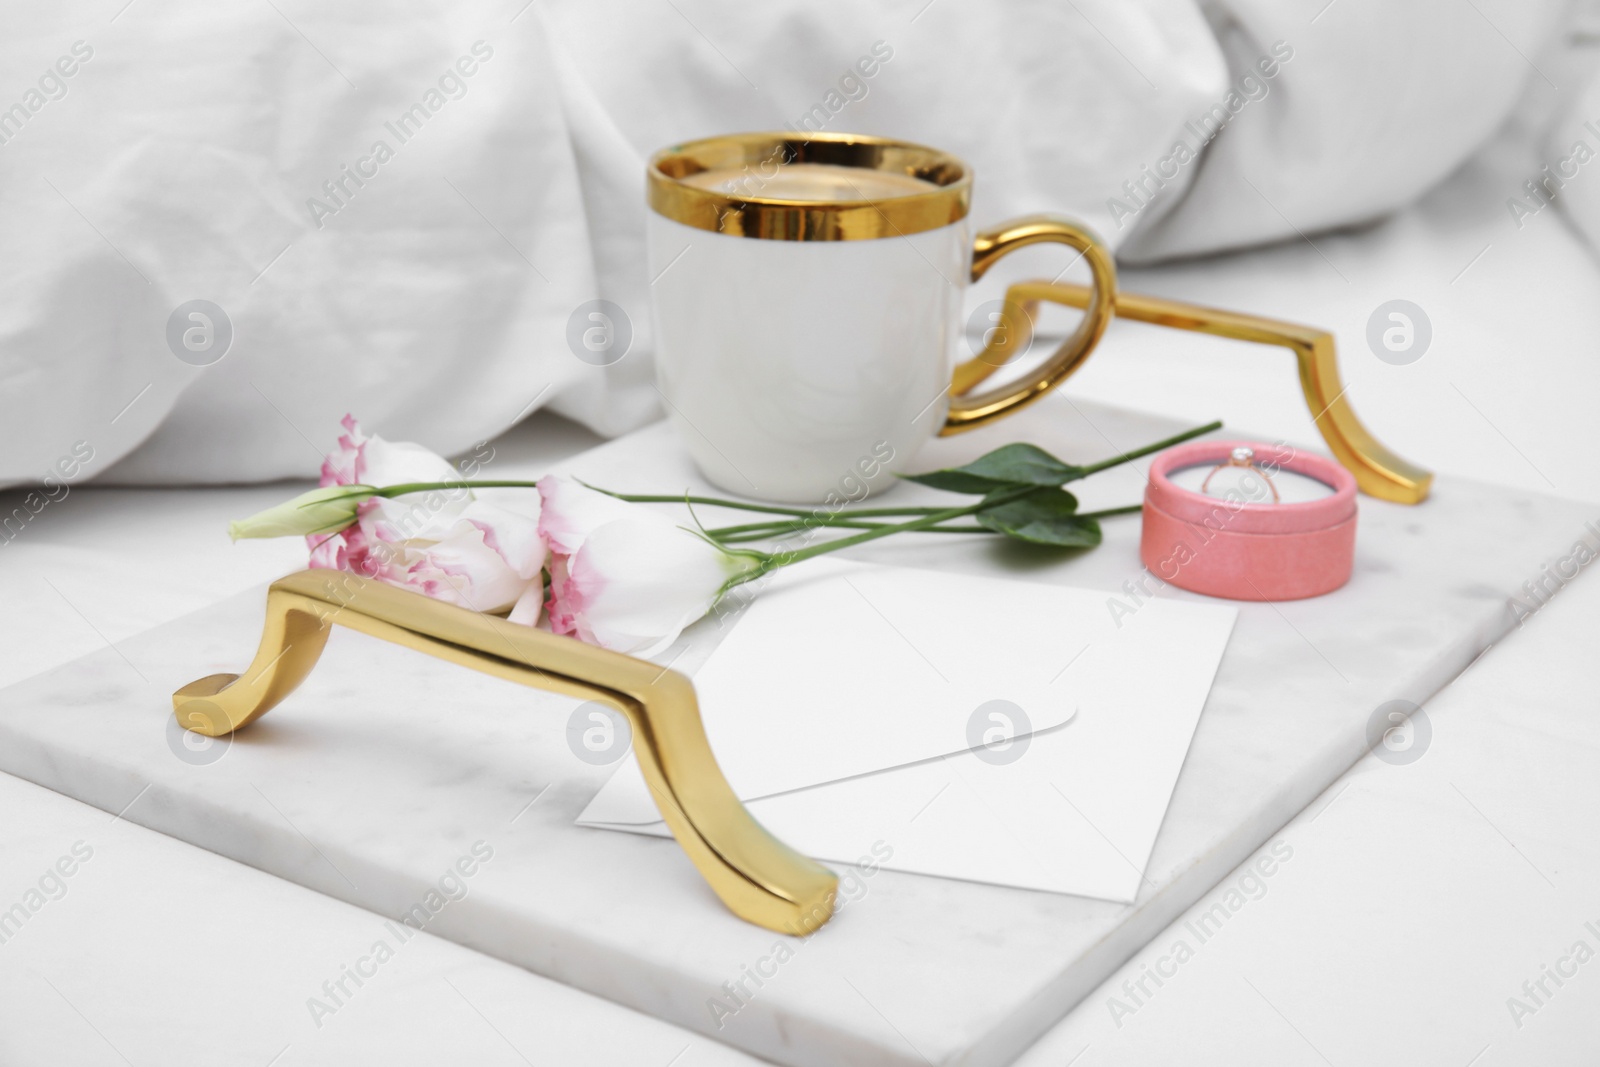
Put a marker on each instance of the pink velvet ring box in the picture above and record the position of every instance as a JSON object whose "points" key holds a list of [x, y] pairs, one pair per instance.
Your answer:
{"points": [[1233, 547]]}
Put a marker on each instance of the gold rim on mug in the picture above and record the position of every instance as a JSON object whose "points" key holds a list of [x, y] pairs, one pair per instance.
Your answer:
{"points": [[759, 156]]}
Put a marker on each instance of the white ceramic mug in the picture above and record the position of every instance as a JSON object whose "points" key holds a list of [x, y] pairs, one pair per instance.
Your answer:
{"points": [[806, 293]]}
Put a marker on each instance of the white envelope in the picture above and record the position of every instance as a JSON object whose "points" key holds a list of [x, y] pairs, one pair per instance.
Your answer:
{"points": [[845, 705], [838, 669]]}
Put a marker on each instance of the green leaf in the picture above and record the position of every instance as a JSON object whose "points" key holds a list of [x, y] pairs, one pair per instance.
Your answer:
{"points": [[1009, 465], [1046, 517]]}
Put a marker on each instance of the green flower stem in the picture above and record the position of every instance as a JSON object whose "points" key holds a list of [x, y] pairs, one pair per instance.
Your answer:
{"points": [[785, 524], [430, 487], [633, 498], [784, 559], [1159, 446], [760, 531], [816, 514], [767, 532], [821, 518]]}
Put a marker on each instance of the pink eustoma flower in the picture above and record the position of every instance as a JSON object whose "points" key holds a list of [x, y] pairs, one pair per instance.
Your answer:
{"points": [[625, 577], [479, 549]]}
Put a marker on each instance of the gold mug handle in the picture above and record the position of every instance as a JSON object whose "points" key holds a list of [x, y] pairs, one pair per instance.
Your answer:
{"points": [[970, 412]]}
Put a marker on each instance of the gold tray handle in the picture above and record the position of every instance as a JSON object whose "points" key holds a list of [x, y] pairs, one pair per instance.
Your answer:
{"points": [[759, 878], [1378, 471]]}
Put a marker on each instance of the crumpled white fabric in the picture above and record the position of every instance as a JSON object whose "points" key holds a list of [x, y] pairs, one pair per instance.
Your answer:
{"points": [[179, 159], [1568, 176]]}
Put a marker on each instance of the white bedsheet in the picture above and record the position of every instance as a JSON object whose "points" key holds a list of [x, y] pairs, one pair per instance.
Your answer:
{"points": [[192, 151]]}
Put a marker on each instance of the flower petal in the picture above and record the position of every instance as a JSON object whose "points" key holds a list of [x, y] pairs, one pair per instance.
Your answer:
{"points": [[570, 511], [513, 534], [525, 612], [461, 569], [396, 462], [636, 583], [346, 464]]}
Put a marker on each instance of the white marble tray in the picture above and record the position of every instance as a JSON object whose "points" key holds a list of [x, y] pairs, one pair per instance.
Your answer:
{"points": [[387, 766]]}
